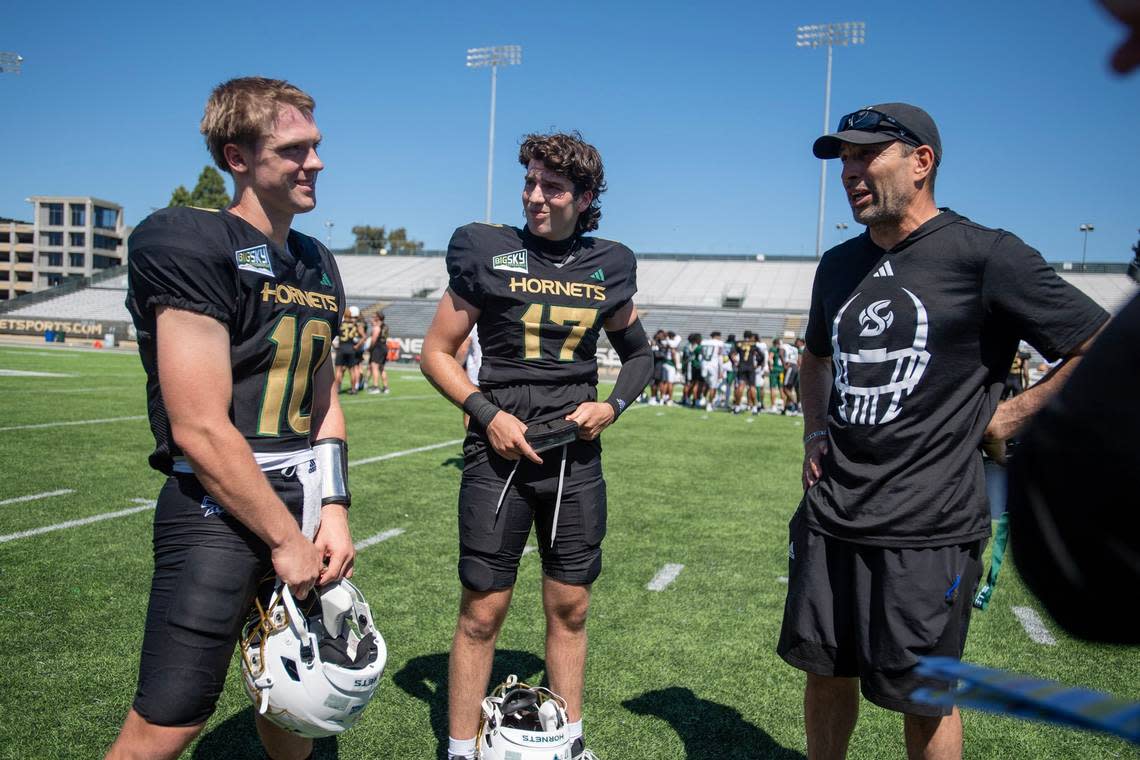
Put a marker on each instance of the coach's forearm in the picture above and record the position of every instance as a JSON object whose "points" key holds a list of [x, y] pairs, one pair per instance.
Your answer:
{"points": [[1012, 415], [815, 390]]}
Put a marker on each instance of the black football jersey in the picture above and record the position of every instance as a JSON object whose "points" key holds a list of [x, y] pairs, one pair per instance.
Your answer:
{"points": [[543, 304], [281, 307]]}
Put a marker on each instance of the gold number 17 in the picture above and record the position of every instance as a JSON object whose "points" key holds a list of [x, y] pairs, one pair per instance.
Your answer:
{"points": [[581, 318]]}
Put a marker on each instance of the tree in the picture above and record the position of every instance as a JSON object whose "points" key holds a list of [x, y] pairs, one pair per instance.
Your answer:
{"points": [[398, 242], [180, 197], [370, 239], [210, 192]]}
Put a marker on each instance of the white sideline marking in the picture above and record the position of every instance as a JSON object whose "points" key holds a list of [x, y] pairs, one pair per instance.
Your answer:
{"points": [[33, 497], [395, 454], [364, 543], [29, 373], [386, 398], [665, 576], [73, 422], [1034, 626], [782, 578], [529, 548], [149, 504]]}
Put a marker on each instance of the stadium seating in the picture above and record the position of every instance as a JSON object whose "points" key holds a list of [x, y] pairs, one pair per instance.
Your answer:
{"points": [[680, 294]]}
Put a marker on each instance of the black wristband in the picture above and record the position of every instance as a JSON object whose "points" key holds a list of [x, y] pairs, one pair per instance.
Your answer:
{"points": [[480, 409]]}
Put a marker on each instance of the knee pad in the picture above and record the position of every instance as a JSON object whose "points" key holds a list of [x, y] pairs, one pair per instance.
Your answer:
{"points": [[475, 574]]}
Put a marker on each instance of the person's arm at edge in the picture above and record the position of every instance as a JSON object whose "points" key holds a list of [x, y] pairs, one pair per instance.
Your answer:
{"points": [[195, 376], [453, 320], [1012, 415], [333, 539], [636, 369], [815, 392]]}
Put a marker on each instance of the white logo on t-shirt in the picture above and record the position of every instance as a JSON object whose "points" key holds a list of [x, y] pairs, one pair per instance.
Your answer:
{"points": [[873, 322], [887, 361]]}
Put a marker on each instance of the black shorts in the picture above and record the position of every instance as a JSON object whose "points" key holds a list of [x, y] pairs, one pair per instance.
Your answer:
{"points": [[207, 569], [378, 355], [792, 378], [746, 377], [694, 374], [870, 612], [491, 545], [346, 356]]}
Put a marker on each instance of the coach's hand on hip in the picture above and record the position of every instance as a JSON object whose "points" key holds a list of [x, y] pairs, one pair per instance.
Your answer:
{"points": [[814, 452], [592, 418], [507, 435]]}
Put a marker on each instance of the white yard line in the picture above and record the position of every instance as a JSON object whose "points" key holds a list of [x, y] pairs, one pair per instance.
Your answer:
{"points": [[73, 422], [35, 496], [395, 454], [529, 548], [29, 373], [387, 398], [364, 543], [1034, 626], [665, 576], [782, 579], [148, 504]]}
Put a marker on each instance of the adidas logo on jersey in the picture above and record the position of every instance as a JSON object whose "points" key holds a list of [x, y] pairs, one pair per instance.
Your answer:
{"points": [[884, 271], [515, 261], [325, 280], [599, 275]]}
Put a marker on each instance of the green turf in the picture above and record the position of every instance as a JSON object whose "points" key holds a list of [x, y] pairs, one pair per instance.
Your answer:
{"points": [[687, 672]]}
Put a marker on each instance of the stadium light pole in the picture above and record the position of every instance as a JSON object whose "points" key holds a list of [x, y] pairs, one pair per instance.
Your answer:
{"points": [[842, 227], [10, 62], [328, 236], [493, 57], [828, 35], [1086, 229]]}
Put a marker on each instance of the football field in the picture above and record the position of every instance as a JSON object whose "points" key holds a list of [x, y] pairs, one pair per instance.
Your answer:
{"points": [[684, 619]]}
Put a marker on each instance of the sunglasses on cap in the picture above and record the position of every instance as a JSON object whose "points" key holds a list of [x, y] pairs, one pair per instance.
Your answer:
{"points": [[873, 121]]}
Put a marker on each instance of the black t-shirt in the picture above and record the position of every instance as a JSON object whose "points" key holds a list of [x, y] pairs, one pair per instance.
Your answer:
{"points": [[542, 303], [281, 308], [921, 338]]}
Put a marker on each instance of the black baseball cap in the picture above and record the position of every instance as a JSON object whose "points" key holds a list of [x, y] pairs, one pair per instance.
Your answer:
{"points": [[882, 123]]}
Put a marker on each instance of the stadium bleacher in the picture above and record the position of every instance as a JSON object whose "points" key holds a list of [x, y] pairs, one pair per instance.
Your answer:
{"points": [[681, 294]]}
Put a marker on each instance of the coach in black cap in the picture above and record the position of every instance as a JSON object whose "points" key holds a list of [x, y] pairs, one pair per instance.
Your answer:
{"points": [[920, 318]]}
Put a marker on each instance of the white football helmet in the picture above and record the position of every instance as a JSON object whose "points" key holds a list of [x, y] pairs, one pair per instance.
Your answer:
{"points": [[522, 722], [313, 671]]}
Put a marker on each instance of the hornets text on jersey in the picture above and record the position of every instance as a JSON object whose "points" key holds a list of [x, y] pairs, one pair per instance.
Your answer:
{"points": [[281, 307]]}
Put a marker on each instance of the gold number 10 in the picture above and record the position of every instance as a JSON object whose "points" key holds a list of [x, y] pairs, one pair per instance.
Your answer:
{"points": [[583, 319], [292, 370]]}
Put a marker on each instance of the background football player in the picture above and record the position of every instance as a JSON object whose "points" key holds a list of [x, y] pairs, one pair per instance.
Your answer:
{"points": [[540, 296], [235, 315]]}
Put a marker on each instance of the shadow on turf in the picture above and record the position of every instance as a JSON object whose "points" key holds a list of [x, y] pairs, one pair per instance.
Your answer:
{"points": [[425, 678], [710, 731], [456, 462], [237, 737]]}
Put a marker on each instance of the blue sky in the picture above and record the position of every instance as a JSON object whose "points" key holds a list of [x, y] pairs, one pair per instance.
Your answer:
{"points": [[704, 112]]}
